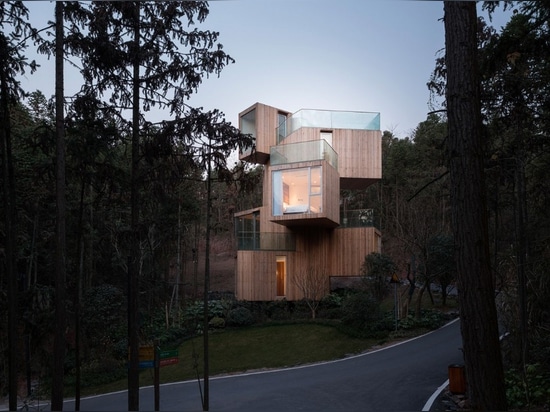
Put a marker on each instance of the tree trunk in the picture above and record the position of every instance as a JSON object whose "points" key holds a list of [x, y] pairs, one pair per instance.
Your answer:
{"points": [[206, 398], [133, 264], [78, 292], [8, 190], [418, 310], [483, 363], [61, 247]]}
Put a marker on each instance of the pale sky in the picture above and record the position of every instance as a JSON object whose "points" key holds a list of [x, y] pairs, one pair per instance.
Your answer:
{"points": [[353, 55]]}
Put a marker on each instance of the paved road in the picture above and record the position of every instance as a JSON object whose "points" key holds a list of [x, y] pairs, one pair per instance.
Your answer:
{"points": [[398, 378]]}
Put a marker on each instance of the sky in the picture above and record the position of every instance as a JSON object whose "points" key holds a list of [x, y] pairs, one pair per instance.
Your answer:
{"points": [[373, 56]]}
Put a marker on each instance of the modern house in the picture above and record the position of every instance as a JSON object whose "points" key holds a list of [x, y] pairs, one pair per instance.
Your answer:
{"points": [[309, 157]]}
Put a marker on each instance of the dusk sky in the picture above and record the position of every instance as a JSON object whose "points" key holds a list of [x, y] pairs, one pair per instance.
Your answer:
{"points": [[318, 54]]}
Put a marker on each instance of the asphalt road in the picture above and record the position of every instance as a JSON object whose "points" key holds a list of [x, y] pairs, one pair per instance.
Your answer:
{"points": [[398, 378]]}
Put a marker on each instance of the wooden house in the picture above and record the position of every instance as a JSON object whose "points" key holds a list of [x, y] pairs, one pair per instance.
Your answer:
{"points": [[302, 226]]}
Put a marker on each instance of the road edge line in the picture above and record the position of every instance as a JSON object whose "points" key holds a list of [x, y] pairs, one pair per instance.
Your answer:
{"points": [[429, 402]]}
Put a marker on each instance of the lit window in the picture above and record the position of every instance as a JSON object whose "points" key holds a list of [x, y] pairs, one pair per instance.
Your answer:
{"points": [[297, 191], [281, 275]]}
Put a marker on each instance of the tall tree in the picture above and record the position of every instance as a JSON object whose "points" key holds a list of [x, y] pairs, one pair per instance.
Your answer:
{"points": [[60, 201], [483, 362], [135, 252], [516, 72], [15, 32], [161, 66], [210, 139]]}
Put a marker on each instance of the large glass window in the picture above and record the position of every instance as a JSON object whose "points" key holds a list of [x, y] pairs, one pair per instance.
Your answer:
{"points": [[248, 231], [248, 126], [248, 123], [281, 128], [297, 191]]}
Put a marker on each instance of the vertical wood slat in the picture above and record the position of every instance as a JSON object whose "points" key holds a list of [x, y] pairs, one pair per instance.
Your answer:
{"points": [[359, 151], [266, 125], [339, 252]]}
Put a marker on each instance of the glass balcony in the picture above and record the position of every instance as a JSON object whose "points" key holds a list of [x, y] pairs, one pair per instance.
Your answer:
{"points": [[326, 119], [358, 218], [266, 241], [303, 152]]}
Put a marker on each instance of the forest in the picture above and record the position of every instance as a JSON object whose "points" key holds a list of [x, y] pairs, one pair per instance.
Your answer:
{"points": [[102, 206]]}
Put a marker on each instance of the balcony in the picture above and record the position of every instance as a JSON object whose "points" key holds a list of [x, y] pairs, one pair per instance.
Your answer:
{"points": [[358, 218], [266, 241], [303, 152], [326, 119]]}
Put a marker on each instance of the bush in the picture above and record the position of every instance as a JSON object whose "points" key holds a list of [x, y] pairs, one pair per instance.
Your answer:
{"points": [[216, 323], [361, 311], [332, 300], [530, 390], [240, 316], [216, 308], [104, 318], [280, 309], [429, 319]]}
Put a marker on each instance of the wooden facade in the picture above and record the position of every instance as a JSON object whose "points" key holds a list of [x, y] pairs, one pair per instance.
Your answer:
{"points": [[319, 243], [264, 130]]}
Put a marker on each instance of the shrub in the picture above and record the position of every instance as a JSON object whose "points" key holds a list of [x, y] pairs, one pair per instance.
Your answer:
{"points": [[531, 389], [216, 323], [332, 300], [429, 319], [104, 316], [361, 311], [240, 316], [280, 309], [216, 308]]}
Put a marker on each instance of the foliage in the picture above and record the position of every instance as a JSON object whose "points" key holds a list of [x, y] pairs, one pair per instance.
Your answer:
{"points": [[530, 389], [104, 315], [361, 311], [98, 372], [175, 149], [15, 32], [280, 309], [376, 270], [334, 299], [429, 319], [216, 323], [240, 316], [440, 262], [216, 308], [514, 71]]}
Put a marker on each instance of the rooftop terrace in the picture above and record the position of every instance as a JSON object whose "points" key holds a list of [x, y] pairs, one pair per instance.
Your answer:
{"points": [[328, 119]]}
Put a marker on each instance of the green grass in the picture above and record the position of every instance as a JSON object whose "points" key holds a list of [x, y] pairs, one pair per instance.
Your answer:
{"points": [[272, 345], [244, 349]]}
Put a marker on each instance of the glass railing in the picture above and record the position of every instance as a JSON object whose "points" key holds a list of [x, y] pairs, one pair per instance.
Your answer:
{"points": [[266, 241], [327, 119], [358, 218], [303, 152]]}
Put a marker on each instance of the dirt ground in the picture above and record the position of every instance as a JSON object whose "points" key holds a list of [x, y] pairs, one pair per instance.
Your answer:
{"points": [[222, 274]]}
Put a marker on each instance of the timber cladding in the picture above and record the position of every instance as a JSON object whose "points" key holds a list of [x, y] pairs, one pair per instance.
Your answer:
{"points": [[359, 153], [333, 252], [349, 248], [266, 125], [320, 245], [256, 278]]}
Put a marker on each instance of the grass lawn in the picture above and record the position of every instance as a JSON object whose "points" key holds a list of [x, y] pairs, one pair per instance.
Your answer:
{"points": [[271, 345], [244, 349]]}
